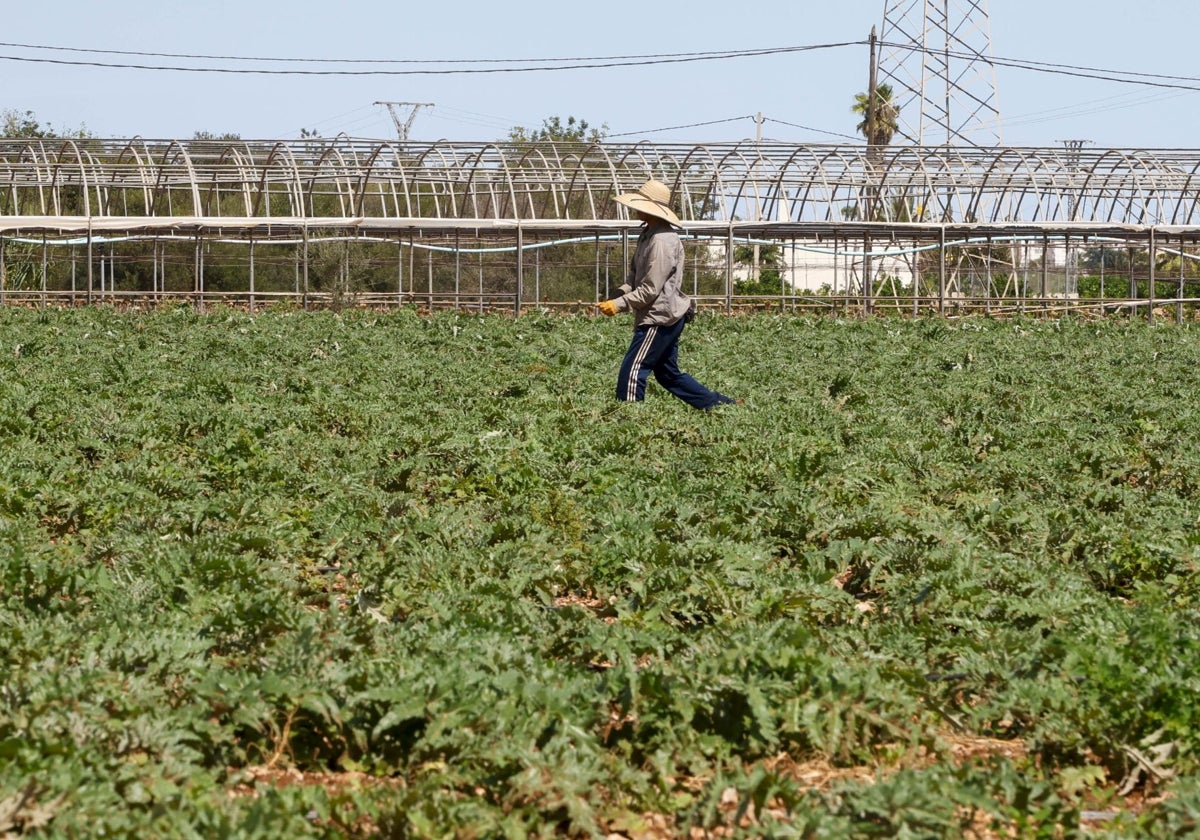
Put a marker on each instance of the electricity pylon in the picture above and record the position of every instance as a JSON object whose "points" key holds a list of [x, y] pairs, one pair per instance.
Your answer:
{"points": [[937, 57], [403, 125]]}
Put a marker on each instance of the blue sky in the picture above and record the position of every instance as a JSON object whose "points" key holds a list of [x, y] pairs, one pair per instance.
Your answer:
{"points": [[804, 96]]}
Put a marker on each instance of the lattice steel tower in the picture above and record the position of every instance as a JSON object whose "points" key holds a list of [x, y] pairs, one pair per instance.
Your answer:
{"points": [[937, 57]]}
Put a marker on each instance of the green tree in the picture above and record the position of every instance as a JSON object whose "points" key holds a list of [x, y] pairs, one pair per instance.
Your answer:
{"points": [[887, 115], [23, 265], [770, 269], [554, 130], [227, 136], [567, 271], [14, 123]]}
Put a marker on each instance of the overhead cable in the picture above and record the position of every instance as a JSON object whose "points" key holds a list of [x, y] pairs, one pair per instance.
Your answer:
{"points": [[571, 63], [810, 128], [432, 67], [1127, 77], [677, 127]]}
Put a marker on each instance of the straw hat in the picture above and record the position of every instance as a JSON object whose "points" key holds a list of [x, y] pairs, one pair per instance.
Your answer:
{"points": [[652, 198]]}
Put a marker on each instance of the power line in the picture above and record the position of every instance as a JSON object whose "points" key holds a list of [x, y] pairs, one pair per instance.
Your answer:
{"points": [[678, 127], [1084, 109], [810, 128], [567, 63], [1161, 80], [298, 60], [1101, 74], [581, 63], [473, 118]]}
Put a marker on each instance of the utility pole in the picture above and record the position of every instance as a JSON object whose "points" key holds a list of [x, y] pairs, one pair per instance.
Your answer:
{"points": [[403, 125], [872, 95]]}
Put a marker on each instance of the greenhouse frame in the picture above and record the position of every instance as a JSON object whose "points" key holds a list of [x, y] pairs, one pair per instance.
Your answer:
{"points": [[351, 221]]}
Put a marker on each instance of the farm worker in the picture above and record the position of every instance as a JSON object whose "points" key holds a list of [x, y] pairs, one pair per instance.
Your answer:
{"points": [[653, 292]]}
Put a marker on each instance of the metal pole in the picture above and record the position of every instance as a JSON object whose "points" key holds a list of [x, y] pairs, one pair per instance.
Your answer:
{"points": [[1045, 269], [624, 256], [729, 271], [1132, 282], [758, 121], [987, 280], [835, 264], [1103, 259], [942, 269], [304, 270], [252, 274], [1179, 296], [199, 273], [792, 276], [89, 263], [520, 268], [872, 97], [3, 271], [608, 270], [1024, 290], [917, 282], [1150, 291], [868, 285]]}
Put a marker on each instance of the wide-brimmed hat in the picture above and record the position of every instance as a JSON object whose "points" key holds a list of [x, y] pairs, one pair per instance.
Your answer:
{"points": [[652, 198]]}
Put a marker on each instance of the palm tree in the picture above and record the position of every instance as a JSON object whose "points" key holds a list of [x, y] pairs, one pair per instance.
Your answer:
{"points": [[887, 115]]}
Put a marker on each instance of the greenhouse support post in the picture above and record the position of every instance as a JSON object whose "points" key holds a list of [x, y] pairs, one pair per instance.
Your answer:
{"points": [[1179, 293], [252, 274], [45, 264], [520, 268], [199, 272], [729, 271], [1150, 290], [941, 269], [90, 281], [304, 267]]}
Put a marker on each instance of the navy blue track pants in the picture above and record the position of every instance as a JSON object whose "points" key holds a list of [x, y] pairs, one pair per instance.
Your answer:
{"points": [[655, 349]]}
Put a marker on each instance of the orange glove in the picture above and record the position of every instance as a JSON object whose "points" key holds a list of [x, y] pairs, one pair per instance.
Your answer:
{"points": [[607, 307]]}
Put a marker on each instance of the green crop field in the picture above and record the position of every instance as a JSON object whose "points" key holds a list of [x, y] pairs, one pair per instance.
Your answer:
{"points": [[308, 574]]}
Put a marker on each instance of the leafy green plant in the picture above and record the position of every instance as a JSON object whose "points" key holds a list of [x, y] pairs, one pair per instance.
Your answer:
{"points": [[320, 574]]}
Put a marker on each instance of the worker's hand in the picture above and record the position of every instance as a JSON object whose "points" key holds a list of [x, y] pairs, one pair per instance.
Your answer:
{"points": [[607, 307]]}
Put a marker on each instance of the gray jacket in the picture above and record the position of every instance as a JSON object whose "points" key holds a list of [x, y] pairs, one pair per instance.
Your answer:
{"points": [[653, 291]]}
